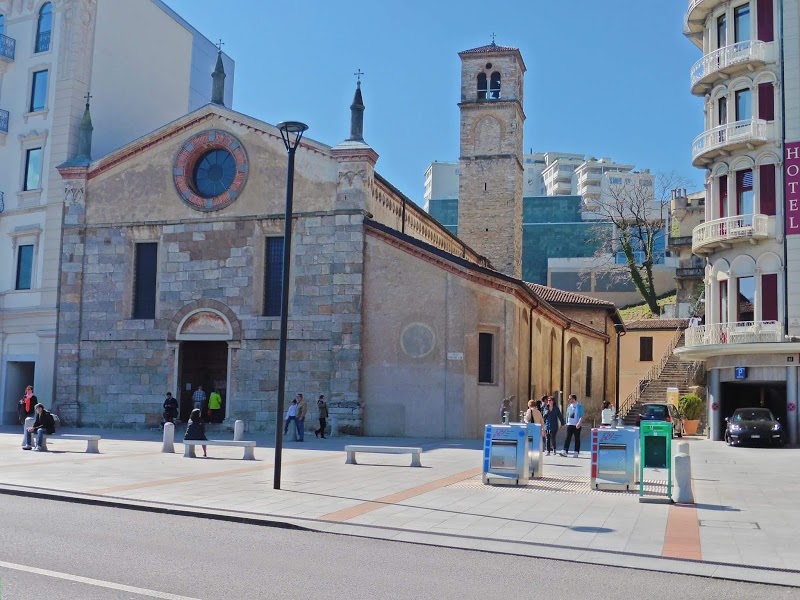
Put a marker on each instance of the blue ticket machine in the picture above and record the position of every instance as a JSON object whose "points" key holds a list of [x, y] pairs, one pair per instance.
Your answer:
{"points": [[505, 454]]}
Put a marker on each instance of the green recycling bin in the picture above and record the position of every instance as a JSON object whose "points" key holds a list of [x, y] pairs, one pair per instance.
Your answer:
{"points": [[655, 446]]}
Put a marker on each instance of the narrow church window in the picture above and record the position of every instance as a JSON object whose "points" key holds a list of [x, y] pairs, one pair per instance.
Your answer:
{"points": [[44, 27], [144, 281], [482, 86], [24, 267], [485, 358], [273, 276], [646, 349], [494, 92], [588, 376]]}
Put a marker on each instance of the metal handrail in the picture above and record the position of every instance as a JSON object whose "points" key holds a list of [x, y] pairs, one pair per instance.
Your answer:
{"points": [[8, 46], [43, 41], [749, 50], [729, 133], [653, 373]]}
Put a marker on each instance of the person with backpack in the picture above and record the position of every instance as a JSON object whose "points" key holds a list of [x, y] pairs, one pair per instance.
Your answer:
{"points": [[44, 424]]}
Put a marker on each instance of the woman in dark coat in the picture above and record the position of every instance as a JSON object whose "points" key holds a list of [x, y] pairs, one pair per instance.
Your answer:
{"points": [[196, 430]]}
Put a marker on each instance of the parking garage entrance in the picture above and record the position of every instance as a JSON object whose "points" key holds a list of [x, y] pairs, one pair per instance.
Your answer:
{"points": [[749, 395]]}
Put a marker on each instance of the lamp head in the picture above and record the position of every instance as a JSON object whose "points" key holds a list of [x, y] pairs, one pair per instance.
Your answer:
{"points": [[292, 132]]}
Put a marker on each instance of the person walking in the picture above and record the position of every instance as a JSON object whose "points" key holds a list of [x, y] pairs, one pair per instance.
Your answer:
{"points": [[300, 420], [607, 414], [533, 414], [199, 397], [196, 430], [323, 416], [215, 407], [574, 418], [552, 417], [170, 409], [26, 406], [44, 424]]}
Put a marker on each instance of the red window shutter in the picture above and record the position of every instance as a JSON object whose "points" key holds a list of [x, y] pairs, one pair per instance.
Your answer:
{"points": [[765, 24], [769, 297], [723, 196], [766, 101], [767, 189]]}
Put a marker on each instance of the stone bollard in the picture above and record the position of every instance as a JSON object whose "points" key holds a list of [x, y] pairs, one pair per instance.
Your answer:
{"points": [[29, 421], [238, 431], [169, 438], [682, 448], [334, 426], [683, 479]]}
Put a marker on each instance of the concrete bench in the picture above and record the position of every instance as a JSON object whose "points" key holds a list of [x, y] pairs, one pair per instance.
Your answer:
{"points": [[414, 452], [249, 447], [92, 441]]}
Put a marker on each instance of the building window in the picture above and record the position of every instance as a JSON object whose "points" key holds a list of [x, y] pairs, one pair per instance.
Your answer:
{"points": [[723, 196], [38, 91], [722, 111], [588, 376], [2, 24], [144, 281], [646, 349], [766, 196], [741, 23], [494, 86], [33, 169], [744, 105], [482, 87], [485, 358], [766, 101], [24, 267], [723, 301], [721, 31], [744, 192], [745, 299], [765, 25], [273, 276], [44, 27]]}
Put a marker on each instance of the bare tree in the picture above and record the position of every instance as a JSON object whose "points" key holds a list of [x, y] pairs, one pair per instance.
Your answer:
{"points": [[638, 208]]}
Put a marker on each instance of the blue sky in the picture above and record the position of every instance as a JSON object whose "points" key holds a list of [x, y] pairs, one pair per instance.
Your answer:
{"points": [[604, 78]]}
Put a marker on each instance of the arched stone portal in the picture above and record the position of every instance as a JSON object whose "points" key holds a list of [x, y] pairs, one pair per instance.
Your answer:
{"points": [[205, 336]]}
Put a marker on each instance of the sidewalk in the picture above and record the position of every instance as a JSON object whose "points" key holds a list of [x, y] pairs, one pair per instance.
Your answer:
{"points": [[744, 526]]}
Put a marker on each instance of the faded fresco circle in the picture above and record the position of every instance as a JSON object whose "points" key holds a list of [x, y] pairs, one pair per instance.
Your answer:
{"points": [[418, 340], [199, 148]]}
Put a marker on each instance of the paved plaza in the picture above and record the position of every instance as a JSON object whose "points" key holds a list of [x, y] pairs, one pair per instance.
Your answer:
{"points": [[744, 526]]}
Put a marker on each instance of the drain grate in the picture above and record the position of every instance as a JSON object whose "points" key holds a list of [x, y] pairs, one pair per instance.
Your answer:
{"points": [[729, 524], [569, 485]]}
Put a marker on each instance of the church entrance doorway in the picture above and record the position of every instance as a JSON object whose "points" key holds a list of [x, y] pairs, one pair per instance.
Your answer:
{"points": [[202, 364]]}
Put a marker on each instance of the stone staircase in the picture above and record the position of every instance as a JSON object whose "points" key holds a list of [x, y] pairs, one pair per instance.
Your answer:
{"points": [[669, 372]]}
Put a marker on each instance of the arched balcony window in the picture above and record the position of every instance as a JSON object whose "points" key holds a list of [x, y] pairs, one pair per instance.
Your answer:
{"points": [[494, 86], [44, 27], [482, 88]]}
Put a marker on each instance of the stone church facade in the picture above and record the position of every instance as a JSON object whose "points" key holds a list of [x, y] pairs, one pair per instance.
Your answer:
{"points": [[170, 260]]}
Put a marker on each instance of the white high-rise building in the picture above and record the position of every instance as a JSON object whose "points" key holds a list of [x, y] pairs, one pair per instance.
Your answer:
{"points": [[143, 66], [749, 76]]}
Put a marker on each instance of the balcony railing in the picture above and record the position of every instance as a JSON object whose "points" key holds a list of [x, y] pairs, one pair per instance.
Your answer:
{"points": [[7, 47], [747, 52], [727, 229], [743, 332], [738, 132], [690, 272], [685, 240], [3, 121]]}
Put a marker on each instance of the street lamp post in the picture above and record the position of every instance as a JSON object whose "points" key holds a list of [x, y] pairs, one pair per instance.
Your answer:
{"points": [[291, 132], [620, 329]]}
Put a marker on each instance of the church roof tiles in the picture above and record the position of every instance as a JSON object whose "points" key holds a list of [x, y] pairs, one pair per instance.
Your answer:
{"points": [[556, 296], [489, 48]]}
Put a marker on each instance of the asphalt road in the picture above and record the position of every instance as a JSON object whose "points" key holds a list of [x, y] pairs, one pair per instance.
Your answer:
{"points": [[62, 551]]}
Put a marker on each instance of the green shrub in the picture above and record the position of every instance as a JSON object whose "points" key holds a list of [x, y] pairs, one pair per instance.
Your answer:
{"points": [[691, 407]]}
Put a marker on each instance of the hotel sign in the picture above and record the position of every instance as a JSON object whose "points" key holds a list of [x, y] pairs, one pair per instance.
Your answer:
{"points": [[792, 179]]}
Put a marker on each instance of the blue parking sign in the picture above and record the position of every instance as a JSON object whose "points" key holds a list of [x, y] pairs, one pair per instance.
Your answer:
{"points": [[740, 373]]}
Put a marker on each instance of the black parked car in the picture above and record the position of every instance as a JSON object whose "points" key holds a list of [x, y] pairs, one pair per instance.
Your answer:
{"points": [[756, 425], [662, 412]]}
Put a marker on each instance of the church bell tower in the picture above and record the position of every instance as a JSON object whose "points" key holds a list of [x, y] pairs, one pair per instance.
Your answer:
{"points": [[491, 169]]}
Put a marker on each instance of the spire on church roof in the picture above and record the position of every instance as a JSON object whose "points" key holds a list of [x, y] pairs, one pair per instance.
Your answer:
{"points": [[83, 155], [218, 77], [357, 114]]}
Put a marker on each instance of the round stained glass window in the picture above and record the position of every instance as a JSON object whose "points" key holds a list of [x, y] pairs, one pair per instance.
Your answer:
{"points": [[214, 173]]}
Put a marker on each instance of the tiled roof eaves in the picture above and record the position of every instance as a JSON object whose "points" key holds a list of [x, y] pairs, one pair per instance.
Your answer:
{"points": [[657, 324]]}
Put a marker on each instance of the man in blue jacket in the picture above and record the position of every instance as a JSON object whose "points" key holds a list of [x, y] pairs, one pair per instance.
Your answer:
{"points": [[574, 418]]}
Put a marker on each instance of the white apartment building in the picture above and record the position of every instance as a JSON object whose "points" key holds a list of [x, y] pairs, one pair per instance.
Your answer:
{"points": [[143, 66], [749, 76]]}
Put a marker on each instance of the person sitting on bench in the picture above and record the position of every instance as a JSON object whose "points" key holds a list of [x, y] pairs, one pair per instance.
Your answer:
{"points": [[196, 430], [43, 425]]}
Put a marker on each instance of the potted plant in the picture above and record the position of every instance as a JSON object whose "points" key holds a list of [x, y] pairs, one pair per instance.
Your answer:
{"points": [[691, 408]]}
